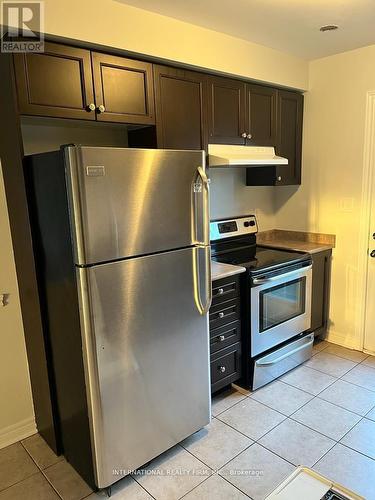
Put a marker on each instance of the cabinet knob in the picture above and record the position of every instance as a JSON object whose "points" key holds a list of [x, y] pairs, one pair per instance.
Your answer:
{"points": [[372, 254], [279, 178], [220, 291], [100, 109], [249, 136], [221, 315], [244, 135], [221, 369], [221, 338], [90, 107]]}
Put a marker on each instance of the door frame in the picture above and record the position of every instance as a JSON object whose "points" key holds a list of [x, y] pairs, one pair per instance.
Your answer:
{"points": [[368, 188]]}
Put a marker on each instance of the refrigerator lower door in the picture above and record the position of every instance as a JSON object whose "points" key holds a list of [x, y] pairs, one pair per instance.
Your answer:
{"points": [[146, 350]]}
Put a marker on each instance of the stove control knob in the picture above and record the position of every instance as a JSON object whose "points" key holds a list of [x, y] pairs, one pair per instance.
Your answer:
{"points": [[246, 223], [252, 223]]}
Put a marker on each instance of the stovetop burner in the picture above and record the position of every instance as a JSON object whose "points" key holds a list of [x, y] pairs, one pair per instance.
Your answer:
{"points": [[234, 242], [260, 258]]}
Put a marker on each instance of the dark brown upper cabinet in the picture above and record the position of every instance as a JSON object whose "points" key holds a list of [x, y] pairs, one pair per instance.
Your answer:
{"points": [[261, 105], [180, 114], [123, 89], [57, 82], [289, 136], [226, 100], [289, 121]]}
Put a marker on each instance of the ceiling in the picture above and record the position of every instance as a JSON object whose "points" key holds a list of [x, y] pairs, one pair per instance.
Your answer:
{"points": [[288, 25]]}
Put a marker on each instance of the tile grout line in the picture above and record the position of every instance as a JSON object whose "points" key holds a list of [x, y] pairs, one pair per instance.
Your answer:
{"points": [[139, 484], [314, 396], [217, 471], [20, 481], [226, 463], [229, 407], [343, 407], [34, 474], [256, 440], [317, 396], [239, 489], [53, 487]]}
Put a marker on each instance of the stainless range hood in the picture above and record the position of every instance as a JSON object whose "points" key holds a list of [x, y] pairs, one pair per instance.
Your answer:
{"points": [[224, 156]]}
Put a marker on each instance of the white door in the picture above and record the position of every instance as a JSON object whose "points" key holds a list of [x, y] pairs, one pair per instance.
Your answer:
{"points": [[369, 343], [369, 334]]}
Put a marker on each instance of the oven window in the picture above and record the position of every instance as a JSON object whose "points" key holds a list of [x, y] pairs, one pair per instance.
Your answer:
{"points": [[281, 303]]}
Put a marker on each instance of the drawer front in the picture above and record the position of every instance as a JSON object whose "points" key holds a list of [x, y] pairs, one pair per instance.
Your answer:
{"points": [[225, 312], [280, 361], [225, 289], [225, 336], [225, 366]]}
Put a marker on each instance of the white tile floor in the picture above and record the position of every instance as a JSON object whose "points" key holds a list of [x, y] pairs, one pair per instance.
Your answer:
{"points": [[321, 415]]}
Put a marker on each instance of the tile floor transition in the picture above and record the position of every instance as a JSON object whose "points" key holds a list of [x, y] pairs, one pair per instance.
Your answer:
{"points": [[321, 415]]}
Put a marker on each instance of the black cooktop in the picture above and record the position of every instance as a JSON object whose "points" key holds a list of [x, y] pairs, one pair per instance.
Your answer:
{"points": [[258, 258]]}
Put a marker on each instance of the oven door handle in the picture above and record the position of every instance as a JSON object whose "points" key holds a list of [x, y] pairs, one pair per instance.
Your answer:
{"points": [[262, 281], [287, 354]]}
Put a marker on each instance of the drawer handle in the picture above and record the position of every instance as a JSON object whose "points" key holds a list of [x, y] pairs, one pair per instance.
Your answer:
{"points": [[220, 291], [310, 341], [221, 338], [221, 369], [221, 314]]}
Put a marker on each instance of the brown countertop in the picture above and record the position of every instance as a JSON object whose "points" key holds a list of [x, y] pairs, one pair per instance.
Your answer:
{"points": [[220, 270], [298, 241]]}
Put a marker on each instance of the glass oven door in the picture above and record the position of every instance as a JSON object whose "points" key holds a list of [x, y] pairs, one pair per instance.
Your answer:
{"points": [[281, 303], [280, 308]]}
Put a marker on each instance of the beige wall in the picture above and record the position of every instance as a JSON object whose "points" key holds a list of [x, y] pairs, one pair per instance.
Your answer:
{"points": [[230, 196], [16, 409], [329, 199], [43, 134], [113, 24]]}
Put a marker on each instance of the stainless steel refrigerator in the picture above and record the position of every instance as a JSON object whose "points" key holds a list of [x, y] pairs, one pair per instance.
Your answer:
{"points": [[121, 240]]}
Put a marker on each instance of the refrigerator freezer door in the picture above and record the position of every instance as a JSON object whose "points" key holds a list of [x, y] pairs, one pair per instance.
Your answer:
{"points": [[131, 202], [146, 354]]}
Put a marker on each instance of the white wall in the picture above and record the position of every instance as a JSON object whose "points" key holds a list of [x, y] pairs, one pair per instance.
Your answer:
{"points": [[330, 198], [230, 197], [16, 408], [114, 24]]}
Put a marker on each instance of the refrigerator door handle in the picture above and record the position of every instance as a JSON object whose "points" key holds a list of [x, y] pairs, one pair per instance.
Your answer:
{"points": [[203, 308], [201, 187]]}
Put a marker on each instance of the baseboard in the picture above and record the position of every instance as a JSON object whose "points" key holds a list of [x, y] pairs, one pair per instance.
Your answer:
{"points": [[16, 432], [351, 342]]}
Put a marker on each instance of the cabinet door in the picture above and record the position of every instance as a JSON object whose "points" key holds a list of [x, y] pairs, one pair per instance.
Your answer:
{"points": [[289, 136], [180, 116], [124, 88], [320, 291], [57, 82], [261, 115], [226, 110]]}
